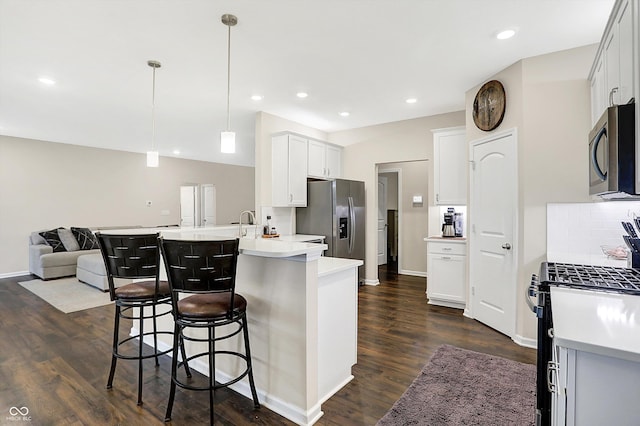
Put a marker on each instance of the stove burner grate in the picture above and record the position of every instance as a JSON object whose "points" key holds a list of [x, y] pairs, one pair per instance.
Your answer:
{"points": [[604, 278]]}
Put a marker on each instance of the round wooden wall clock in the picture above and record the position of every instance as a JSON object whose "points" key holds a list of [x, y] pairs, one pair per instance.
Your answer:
{"points": [[489, 106]]}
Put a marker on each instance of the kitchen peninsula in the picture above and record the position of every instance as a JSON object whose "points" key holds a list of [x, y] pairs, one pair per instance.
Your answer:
{"points": [[302, 313]]}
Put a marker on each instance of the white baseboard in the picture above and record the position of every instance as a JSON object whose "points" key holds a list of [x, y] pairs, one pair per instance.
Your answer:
{"points": [[285, 409], [525, 341], [413, 273], [14, 274], [371, 282]]}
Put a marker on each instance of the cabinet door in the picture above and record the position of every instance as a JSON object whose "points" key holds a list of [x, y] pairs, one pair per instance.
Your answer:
{"points": [[297, 171], [626, 53], [598, 103], [446, 277], [612, 67], [316, 159], [333, 162], [450, 167]]}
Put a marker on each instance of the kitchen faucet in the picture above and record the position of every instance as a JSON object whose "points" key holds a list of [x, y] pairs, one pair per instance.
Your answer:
{"points": [[252, 217]]}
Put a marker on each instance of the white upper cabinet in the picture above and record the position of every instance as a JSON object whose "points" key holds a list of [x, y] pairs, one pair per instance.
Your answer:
{"points": [[613, 80], [289, 171], [324, 160], [450, 166]]}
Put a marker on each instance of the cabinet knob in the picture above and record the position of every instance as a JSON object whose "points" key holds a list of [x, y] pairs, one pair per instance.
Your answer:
{"points": [[506, 246]]}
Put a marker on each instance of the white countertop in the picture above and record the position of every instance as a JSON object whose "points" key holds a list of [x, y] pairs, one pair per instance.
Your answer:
{"points": [[263, 247], [603, 323], [303, 238], [331, 265], [439, 238]]}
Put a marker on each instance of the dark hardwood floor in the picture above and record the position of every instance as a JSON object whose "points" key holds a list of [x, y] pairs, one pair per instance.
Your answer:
{"points": [[56, 364]]}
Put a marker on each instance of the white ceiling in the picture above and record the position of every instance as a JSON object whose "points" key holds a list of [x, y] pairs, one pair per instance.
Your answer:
{"points": [[361, 56]]}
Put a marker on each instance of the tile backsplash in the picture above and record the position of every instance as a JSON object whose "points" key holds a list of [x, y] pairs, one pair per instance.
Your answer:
{"points": [[581, 228]]}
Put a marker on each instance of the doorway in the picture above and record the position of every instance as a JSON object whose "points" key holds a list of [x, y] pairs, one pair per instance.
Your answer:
{"points": [[388, 220], [197, 205]]}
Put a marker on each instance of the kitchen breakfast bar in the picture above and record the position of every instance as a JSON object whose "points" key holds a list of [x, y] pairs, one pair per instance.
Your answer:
{"points": [[302, 314]]}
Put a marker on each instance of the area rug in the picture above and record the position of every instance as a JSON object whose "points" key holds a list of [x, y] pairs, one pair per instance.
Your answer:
{"points": [[67, 294], [462, 387]]}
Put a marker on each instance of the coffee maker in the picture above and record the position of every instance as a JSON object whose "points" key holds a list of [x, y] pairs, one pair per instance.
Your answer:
{"points": [[447, 227]]}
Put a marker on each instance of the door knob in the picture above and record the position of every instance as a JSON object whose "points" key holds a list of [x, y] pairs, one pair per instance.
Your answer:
{"points": [[506, 246]]}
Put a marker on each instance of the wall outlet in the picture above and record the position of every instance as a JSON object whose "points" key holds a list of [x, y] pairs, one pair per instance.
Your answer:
{"points": [[149, 203]]}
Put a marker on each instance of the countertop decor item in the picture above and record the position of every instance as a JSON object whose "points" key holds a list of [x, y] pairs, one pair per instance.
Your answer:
{"points": [[489, 106]]}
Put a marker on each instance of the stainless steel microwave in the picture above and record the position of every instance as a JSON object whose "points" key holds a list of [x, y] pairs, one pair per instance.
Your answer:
{"points": [[612, 153]]}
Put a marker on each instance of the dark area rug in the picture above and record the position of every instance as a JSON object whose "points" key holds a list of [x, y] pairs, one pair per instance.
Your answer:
{"points": [[462, 387]]}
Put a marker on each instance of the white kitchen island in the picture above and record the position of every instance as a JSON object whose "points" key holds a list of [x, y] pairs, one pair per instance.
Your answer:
{"points": [[302, 314]]}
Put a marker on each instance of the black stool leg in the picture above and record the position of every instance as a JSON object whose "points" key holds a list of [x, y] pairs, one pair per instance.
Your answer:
{"points": [[177, 339], [140, 344], [212, 371], [155, 335], [114, 350], [187, 370], [254, 394]]}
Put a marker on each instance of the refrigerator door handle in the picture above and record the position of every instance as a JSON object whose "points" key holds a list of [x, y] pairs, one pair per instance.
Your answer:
{"points": [[352, 220]]}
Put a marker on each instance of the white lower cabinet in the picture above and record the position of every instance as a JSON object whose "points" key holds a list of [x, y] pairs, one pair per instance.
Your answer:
{"points": [[446, 271], [593, 389]]}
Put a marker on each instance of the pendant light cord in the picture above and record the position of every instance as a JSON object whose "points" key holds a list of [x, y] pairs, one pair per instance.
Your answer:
{"points": [[153, 112], [228, 78]]}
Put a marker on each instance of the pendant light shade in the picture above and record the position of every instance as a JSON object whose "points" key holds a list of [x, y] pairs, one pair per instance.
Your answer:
{"points": [[228, 138], [153, 157]]}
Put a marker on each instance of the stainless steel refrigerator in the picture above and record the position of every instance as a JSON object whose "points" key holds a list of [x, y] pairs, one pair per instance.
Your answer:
{"points": [[335, 209]]}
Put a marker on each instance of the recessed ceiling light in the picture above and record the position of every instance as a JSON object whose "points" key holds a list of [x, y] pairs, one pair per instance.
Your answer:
{"points": [[505, 34], [302, 95], [344, 114], [256, 97], [411, 101], [176, 152], [46, 80]]}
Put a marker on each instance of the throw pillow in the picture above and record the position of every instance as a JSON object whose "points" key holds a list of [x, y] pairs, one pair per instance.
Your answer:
{"points": [[53, 239], [68, 239], [85, 238]]}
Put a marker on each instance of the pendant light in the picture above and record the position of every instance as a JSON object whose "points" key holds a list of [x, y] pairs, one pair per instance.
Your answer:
{"points": [[153, 158], [228, 138]]}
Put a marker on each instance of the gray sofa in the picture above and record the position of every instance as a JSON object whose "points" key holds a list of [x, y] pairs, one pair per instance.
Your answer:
{"points": [[47, 263]]}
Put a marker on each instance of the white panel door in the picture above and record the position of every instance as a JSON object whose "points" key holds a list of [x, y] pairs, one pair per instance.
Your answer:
{"points": [[382, 220], [187, 205], [493, 211], [208, 205]]}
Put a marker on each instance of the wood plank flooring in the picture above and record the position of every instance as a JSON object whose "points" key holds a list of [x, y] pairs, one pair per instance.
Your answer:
{"points": [[56, 364]]}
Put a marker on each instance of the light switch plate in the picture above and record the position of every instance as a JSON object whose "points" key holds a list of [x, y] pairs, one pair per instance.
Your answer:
{"points": [[417, 199]]}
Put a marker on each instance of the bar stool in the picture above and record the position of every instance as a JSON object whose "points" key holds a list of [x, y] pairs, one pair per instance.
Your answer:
{"points": [[134, 257], [205, 272]]}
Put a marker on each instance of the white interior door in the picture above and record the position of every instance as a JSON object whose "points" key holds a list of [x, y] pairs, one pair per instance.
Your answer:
{"points": [[382, 220], [493, 209], [208, 204], [187, 205]]}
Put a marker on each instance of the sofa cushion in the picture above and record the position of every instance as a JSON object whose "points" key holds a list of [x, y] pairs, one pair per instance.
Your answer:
{"points": [[53, 239], [68, 239], [86, 239], [35, 238], [60, 259]]}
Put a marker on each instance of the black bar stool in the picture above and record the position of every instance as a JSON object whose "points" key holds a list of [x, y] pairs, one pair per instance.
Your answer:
{"points": [[134, 257], [207, 271]]}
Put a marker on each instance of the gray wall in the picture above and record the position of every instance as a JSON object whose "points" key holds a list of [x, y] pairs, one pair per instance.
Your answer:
{"points": [[45, 185]]}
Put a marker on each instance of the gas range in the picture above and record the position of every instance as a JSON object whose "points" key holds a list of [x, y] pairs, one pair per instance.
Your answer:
{"points": [[590, 277], [581, 277]]}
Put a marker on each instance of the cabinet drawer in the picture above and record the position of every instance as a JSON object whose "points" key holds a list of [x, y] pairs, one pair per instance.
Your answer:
{"points": [[447, 248]]}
